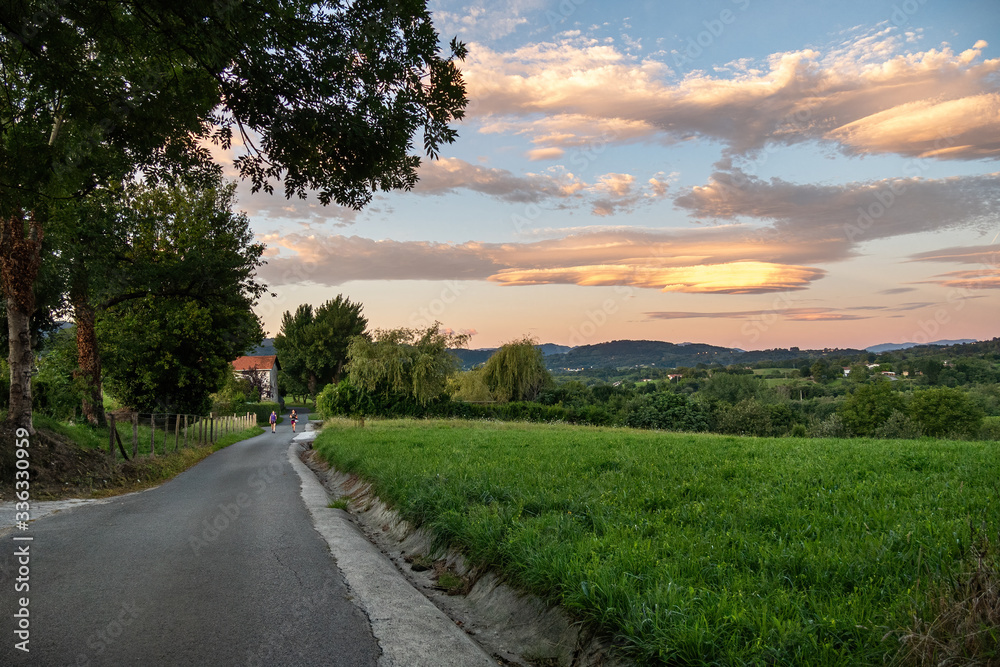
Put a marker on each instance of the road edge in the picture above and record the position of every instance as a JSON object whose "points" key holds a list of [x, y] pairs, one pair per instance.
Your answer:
{"points": [[409, 629]]}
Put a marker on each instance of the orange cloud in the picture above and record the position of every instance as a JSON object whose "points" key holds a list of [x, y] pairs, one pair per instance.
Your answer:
{"points": [[729, 278]]}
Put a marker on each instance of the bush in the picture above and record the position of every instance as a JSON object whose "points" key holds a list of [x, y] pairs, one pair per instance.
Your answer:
{"points": [[945, 411], [748, 417], [899, 426], [831, 427], [666, 411], [869, 407]]}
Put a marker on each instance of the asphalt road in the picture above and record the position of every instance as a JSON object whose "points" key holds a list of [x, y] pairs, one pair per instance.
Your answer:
{"points": [[219, 566]]}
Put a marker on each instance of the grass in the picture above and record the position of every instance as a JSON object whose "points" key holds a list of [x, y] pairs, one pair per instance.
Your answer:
{"points": [[694, 548], [143, 471]]}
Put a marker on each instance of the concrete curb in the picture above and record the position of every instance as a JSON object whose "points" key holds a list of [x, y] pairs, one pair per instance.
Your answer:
{"points": [[410, 630]]}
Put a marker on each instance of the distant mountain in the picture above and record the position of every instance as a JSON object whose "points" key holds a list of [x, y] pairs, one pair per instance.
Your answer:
{"points": [[637, 353], [659, 354], [266, 348], [891, 347], [472, 358]]}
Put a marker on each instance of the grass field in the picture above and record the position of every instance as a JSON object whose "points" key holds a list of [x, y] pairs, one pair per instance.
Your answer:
{"points": [[694, 549]]}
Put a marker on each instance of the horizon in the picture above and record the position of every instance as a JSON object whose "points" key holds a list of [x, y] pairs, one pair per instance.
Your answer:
{"points": [[742, 174]]}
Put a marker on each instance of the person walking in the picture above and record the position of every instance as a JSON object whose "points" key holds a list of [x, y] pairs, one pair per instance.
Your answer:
{"points": [[294, 418], [274, 421]]}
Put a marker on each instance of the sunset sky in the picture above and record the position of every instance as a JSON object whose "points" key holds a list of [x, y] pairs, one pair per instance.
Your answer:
{"points": [[739, 172]]}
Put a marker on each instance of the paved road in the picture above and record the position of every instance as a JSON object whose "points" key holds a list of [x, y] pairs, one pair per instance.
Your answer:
{"points": [[220, 566]]}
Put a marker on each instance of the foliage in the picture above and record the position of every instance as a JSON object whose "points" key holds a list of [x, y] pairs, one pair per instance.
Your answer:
{"points": [[945, 411], [667, 411], [344, 399], [99, 94], [869, 407], [54, 391], [413, 363], [516, 372], [899, 426], [691, 549], [748, 417], [469, 386], [831, 427], [312, 345], [168, 343], [234, 395], [732, 388]]}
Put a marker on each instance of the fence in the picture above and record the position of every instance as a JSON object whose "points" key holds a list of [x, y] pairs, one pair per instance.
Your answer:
{"points": [[184, 429]]}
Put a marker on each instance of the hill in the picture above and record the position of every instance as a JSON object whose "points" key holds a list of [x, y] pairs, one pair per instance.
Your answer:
{"points": [[652, 353], [892, 347]]}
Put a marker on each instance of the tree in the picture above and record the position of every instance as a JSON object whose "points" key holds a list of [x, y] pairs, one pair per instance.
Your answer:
{"points": [[667, 411], [312, 346], [325, 96], [516, 371], [868, 408], [414, 363], [732, 389], [946, 411], [179, 310]]}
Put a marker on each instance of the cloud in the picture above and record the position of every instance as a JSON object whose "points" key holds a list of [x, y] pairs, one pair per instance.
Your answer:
{"points": [[695, 261], [827, 222], [545, 154], [611, 193], [870, 94], [483, 20], [795, 314], [988, 255], [988, 277]]}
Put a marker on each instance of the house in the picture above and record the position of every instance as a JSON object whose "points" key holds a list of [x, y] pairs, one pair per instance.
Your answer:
{"points": [[265, 367], [846, 369]]}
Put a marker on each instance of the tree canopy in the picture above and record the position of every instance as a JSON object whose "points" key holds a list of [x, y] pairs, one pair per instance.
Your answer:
{"points": [[415, 363], [312, 345], [516, 371], [324, 95]]}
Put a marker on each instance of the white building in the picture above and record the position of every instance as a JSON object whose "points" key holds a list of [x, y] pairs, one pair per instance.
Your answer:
{"points": [[266, 367]]}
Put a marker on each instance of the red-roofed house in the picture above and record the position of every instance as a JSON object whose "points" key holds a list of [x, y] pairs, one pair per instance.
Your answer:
{"points": [[266, 367]]}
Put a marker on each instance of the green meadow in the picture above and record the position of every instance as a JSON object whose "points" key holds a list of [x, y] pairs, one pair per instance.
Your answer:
{"points": [[694, 548]]}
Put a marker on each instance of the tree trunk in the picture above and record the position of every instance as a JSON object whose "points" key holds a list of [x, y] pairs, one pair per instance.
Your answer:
{"points": [[20, 360], [19, 261], [88, 360]]}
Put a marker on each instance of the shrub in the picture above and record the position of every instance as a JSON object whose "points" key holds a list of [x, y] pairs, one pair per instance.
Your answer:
{"points": [[831, 427], [666, 411], [899, 426], [943, 411], [748, 417], [869, 407]]}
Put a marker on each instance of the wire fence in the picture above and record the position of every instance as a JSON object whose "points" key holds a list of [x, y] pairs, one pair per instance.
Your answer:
{"points": [[150, 434]]}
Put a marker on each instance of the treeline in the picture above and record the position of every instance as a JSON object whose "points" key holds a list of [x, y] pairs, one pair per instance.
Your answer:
{"points": [[406, 373]]}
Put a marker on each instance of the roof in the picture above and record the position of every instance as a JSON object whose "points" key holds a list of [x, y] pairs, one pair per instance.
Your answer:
{"points": [[262, 363]]}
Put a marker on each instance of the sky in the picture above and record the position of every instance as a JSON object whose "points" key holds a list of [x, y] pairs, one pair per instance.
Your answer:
{"points": [[742, 173]]}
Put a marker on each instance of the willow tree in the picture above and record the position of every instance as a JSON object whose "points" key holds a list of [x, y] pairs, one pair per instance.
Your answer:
{"points": [[415, 363], [324, 96], [516, 372]]}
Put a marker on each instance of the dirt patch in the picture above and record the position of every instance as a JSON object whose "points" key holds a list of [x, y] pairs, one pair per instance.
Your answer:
{"points": [[59, 468]]}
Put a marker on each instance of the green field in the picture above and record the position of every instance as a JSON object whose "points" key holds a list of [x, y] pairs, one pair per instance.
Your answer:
{"points": [[692, 548]]}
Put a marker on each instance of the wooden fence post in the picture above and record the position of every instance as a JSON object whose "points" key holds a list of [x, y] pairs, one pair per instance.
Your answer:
{"points": [[135, 435], [211, 429], [177, 433], [111, 440], [152, 435], [185, 431]]}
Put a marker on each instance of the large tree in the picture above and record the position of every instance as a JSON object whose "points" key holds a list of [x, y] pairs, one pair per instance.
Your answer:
{"points": [[415, 363], [324, 96], [312, 345], [516, 372], [177, 306]]}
